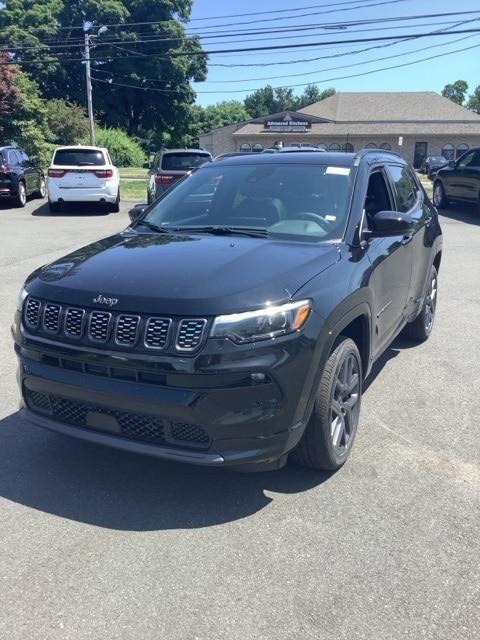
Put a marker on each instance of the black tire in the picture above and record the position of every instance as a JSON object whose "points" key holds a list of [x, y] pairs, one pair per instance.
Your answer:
{"points": [[115, 207], [149, 197], [421, 328], [440, 199], [42, 188], [54, 207], [324, 445], [20, 200]]}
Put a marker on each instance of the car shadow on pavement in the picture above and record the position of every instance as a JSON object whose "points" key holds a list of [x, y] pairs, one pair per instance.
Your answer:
{"points": [[119, 490], [468, 214], [70, 211]]}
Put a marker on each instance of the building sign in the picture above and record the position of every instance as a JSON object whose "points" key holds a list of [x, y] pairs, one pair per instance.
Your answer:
{"points": [[287, 124]]}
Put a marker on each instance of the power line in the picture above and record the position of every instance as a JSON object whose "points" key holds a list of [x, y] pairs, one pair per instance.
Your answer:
{"points": [[176, 54], [154, 37], [294, 86]]}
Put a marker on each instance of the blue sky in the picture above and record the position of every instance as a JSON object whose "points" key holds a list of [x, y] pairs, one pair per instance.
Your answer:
{"points": [[226, 83]]}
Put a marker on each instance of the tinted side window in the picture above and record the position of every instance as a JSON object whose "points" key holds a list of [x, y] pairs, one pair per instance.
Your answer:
{"points": [[406, 190], [12, 158], [472, 159]]}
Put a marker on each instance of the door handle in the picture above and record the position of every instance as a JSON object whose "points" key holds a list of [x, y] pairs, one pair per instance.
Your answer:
{"points": [[428, 220], [407, 239]]}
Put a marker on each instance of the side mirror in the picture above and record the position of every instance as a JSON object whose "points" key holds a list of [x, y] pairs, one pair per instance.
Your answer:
{"points": [[147, 165], [136, 212], [390, 223]]}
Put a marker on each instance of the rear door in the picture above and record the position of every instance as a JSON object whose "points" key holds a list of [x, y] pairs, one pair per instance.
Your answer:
{"points": [[409, 199], [30, 173]]}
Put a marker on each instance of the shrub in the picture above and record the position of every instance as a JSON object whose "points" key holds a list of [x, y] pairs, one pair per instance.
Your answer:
{"points": [[125, 151], [66, 121]]}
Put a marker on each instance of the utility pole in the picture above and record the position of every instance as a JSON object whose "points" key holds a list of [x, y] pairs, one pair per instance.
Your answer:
{"points": [[89, 89]]}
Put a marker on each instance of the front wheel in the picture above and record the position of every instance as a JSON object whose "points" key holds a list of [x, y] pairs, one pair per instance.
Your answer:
{"points": [[330, 432], [421, 328], [439, 196]]}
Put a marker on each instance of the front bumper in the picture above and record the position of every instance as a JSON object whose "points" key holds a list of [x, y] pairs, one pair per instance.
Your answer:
{"points": [[247, 407]]}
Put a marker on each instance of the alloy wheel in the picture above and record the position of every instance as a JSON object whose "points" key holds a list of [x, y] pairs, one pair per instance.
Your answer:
{"points": [[345, 407], [431, 303], [22, 194], [437, 195], [43, 189]]}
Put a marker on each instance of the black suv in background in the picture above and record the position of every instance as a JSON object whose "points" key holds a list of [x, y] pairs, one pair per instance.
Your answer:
{"points": [[236, 319], [459, 181], [169, 165], [19, 176]]}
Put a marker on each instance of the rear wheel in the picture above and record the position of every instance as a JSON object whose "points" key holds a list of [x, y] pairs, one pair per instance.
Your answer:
{"points": [[421, 328], [329, 436], [42, 188], [115, 207], [21, 197], [440, 199]]}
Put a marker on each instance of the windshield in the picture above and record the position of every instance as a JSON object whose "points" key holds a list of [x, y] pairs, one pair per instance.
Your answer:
{"points": [[299, 200], [183, 161], [68, 157]]}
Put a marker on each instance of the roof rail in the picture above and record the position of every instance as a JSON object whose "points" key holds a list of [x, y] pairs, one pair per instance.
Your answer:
{"points": [[363, 152]]}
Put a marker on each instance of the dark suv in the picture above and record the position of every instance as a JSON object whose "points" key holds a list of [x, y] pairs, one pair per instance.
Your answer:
{"points": [[169, 165], [19, 176], [459, 181], [236, 319]]}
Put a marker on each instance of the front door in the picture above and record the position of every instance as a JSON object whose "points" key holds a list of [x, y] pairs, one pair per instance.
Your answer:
{"points": [[391, 265], [464, 180], [420, 154]]}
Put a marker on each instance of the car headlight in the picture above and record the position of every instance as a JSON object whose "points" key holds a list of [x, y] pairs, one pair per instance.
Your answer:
{"points": [[269, 322], [21, 298]]}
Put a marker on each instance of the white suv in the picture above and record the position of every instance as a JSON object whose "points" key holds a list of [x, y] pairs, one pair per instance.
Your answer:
{"points": [[83, 174]]}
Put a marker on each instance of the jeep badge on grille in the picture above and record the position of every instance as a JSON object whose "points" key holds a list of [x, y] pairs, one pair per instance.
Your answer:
{"points": [[101, 299]]}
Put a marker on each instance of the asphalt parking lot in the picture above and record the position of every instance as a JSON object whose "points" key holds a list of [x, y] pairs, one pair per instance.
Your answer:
{"points": [[97, 543]]}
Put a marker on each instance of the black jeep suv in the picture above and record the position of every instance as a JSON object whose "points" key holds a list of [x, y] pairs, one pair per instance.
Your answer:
{"points": [[459, 181], [236, 319], [20, 177]]}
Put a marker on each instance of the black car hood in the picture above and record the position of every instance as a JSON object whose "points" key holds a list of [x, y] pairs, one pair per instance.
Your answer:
{"points": [[182, 273]]}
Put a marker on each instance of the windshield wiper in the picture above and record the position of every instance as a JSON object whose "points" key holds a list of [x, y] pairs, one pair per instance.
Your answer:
{"points": [[226, 231], [152, 226]]}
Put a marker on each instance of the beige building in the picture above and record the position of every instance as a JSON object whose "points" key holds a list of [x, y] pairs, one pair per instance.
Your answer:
{"points": [[415, 124]]}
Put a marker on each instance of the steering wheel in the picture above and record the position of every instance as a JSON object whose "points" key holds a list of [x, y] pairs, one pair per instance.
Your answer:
{"points": [[314, 217]]}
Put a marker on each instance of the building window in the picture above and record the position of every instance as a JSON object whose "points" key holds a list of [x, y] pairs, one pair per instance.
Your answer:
{"points": [[334, 147], [448, 151], [245, 147], [322, 146], [371, 145], [348, 147], [257, 147], [461, 148], [385, 146]]}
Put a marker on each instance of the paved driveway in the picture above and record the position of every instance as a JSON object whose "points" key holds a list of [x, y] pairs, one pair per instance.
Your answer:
{"points": [[101, 544]]}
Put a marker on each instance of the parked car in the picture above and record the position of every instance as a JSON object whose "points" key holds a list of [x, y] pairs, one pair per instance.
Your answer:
{"points": [[293, 149], [432, 164], [83, 174], [236, 319], [19, 176], [459, 181], [171, 164]]}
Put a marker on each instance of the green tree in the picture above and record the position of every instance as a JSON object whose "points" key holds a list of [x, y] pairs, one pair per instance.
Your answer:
{"points": [[125, 152], [27, 124], [162, 69], [474, 100], [313, 94], [66, 121], [456, 91]]}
